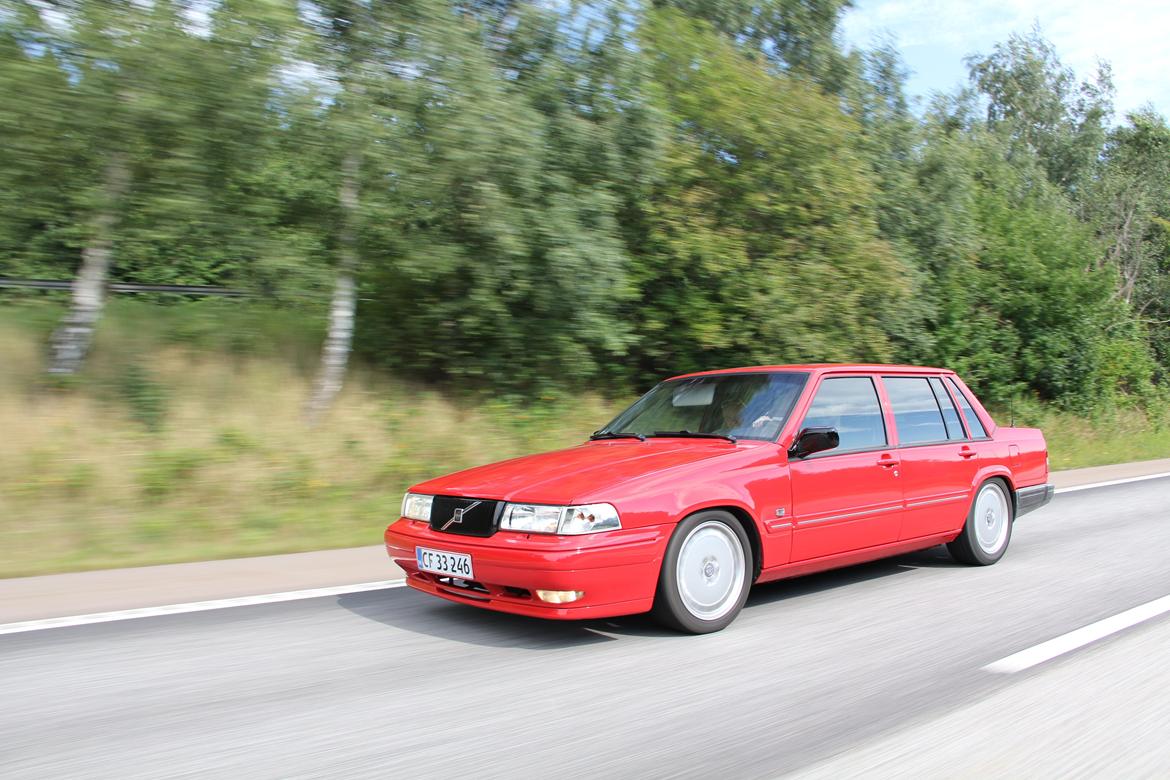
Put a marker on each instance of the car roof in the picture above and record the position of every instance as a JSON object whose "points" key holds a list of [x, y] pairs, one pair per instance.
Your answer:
{"points": [[824, 368]]}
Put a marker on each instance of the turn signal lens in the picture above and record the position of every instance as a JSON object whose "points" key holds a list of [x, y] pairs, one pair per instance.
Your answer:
{"points": [[590, 519], [559, 596]]}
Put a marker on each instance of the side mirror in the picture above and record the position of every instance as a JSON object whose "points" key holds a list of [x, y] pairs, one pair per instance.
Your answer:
{"points": [[814, 440]]}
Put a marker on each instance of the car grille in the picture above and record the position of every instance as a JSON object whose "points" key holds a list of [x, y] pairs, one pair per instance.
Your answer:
{"points": [[477, 518]]}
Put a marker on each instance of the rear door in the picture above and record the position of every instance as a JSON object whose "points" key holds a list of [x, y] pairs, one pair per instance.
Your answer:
{"points": [[848, 498], [938, 460]]}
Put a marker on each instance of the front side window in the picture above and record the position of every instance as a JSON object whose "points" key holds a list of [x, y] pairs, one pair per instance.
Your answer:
{"points": [[850, 406], [916, 410], [973, 423], [746, 406]]}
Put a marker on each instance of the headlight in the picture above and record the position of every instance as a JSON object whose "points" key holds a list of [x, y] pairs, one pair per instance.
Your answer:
{"points": [[545, 519], [417, 507], [532, 518]]}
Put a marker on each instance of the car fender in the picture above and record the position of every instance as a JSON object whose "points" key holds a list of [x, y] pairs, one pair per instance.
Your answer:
{"points": [[764, 546], [994, 470], [715, 503], [662, 508]]}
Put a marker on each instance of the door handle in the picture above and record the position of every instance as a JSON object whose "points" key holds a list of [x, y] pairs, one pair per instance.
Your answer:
{"points": [[967, 452], [887, 461]]}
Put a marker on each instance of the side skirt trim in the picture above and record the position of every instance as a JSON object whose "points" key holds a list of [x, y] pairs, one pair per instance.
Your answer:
{"points": [[852, 557]]}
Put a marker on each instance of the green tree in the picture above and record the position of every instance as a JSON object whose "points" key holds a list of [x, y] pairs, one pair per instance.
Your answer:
{"points": [[38, 149], [1019, 306], [1129, 204], [1039, 103], [796, 36], [370, 52], [891, 143], [763, 242], [141, 131], [511, 262], [518, 194]]}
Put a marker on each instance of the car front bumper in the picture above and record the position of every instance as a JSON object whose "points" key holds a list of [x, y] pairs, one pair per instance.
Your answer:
{"points": [[616, 570]]}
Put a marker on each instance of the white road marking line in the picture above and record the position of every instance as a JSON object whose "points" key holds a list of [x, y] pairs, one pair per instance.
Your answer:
{"points": [[1073, 640], [194, 606], [1125, 481]]}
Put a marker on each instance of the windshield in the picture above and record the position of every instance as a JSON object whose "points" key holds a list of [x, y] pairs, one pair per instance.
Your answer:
{"points": [[744, 406]]}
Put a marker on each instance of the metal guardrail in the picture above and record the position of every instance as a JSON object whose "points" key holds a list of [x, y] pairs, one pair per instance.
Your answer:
{"points": [[119, 287]]}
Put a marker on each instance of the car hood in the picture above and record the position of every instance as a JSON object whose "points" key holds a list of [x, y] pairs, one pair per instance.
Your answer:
{"points": [[571, 475]]}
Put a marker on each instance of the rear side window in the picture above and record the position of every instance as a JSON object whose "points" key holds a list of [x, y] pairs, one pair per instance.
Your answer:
{"points": [[851, 406], [969, 416], [949, 413], [916, 411]]}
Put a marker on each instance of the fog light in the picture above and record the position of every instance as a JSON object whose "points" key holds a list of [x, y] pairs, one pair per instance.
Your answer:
{"points": [[559, 596]]}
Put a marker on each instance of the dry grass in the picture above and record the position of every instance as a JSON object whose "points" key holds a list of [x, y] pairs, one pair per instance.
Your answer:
{"points": [[231, 470], [1112, 436]]}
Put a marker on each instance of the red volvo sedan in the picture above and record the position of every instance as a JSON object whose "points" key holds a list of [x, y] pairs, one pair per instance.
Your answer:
{"points": [[713, 481]]}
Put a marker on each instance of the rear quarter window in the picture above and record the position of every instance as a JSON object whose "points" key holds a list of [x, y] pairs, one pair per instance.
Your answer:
{"points": [[974, 425], [950, 414]]}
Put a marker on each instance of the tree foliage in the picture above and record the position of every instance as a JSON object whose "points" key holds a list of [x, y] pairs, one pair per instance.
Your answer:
{"points": [[598, 191], [1039, 104], [763, 237]]}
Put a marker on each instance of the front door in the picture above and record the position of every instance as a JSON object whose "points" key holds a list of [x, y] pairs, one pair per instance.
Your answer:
{"points": [[848, 498]]}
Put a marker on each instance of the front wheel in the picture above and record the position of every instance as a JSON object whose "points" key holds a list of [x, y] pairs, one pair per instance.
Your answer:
{"points": [[988, 529], [706, 574]]}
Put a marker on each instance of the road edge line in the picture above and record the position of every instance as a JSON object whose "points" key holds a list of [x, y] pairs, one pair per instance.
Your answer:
{"points": [[1110, 482], [193, 606], [1078, 638]]}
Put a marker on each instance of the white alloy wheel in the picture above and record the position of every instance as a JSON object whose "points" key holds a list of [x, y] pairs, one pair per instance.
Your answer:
{"points": [[710, 570], [988, 530], [991, 518]]}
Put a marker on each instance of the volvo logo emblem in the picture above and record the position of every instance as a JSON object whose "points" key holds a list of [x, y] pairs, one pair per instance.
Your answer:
{"points": [[457, 518]]}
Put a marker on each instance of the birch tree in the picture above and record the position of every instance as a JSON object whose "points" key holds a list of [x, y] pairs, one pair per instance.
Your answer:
{"points": [[115, 91], [71, 339], [102, 45], [369, 51]]}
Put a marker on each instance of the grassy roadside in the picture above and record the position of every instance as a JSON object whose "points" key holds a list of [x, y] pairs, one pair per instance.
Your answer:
{"points": [[1116, 436], [183, 440]]}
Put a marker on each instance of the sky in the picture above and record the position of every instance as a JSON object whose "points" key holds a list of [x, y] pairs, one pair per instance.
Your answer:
{"points": [[935, 35]]}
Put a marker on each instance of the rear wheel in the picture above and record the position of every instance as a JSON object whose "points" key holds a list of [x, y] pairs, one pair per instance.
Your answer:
{"points": [[988, 529], [706, 574]]}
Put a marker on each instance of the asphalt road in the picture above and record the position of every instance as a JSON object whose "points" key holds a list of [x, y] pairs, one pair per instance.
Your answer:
{"points": [[873, 670]]}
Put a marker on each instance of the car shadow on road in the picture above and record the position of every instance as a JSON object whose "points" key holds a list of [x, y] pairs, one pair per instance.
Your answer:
{"points": [[812, 584], [418, 613]]}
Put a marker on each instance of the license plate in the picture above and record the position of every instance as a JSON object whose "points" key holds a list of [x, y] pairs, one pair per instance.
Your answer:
{"points": [[439, 562]]}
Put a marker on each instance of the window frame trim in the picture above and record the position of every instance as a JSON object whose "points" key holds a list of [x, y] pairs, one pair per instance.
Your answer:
{"points": [[893, 414], [879, 394], [952, 386], [954, 405]]}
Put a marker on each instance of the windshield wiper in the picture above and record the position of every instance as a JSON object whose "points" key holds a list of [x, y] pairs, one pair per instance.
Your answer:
{"points": [[617, 435], [685, 434]]}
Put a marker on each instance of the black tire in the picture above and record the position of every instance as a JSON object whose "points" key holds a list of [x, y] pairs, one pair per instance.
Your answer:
{"points": [[670, 607], [969, 547]]}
